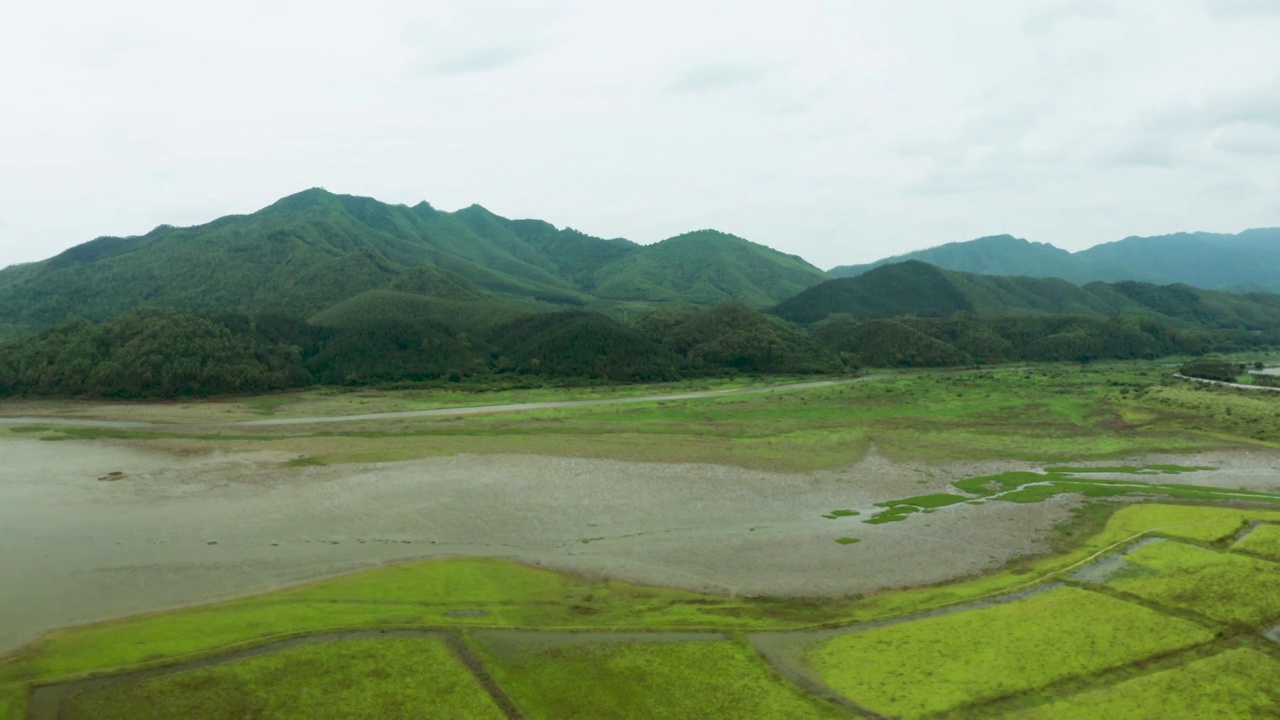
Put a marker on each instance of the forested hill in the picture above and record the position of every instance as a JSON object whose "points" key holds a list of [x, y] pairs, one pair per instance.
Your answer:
{"points": [[1236, 263], [919, 289], [312, 250]]}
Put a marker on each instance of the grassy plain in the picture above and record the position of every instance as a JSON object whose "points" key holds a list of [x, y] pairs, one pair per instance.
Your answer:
{"points": [[335, 401], [384, 678], [1226, 587], [1052, 413], [676, 680], [13, 701], [942, 663], [1263, 540], [1239, 684]]}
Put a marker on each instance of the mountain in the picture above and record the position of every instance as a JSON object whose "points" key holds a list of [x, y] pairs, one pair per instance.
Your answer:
{"points": [[1247, 260], [995, 255], [1235, 263], [315, 249], [914, 288], [705, 267]]}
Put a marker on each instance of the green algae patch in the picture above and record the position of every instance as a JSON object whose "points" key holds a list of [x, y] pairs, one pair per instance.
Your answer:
{"points": [[896, 513], [676, 680], [385, 677], [13, 702], [946, 662], [848, 540], [1003, 482], [897, 510], [935, 500], [1225, 587], [834, 514], [1264, 540], [1241, 683]]}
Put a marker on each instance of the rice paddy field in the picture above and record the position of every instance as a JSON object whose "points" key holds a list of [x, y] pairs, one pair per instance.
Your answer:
{"points": [[482, 638], [1158, 597]]}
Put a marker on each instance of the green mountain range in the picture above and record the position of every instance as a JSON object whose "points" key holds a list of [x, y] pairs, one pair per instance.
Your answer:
{"points": [[319, 288], [919, 289], [1237, 263], [311, 252]]}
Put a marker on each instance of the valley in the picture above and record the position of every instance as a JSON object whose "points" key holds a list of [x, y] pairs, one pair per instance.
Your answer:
{"points": [[781, 532]]}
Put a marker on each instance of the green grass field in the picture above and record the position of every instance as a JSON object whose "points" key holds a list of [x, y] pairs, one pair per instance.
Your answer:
{"points": [[1226, 587], [385, 678], [942, 663], [676, 680], [1264, 541], [1241, 684], [13, 701], [1052, 413]]}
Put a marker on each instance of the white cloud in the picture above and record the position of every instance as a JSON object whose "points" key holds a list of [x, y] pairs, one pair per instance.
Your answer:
{"points": [[838, 131]]}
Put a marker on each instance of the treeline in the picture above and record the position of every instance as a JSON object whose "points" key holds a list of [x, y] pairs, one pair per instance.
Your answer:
{"points": [[965, 339], [1221, 370], [165, 353]]}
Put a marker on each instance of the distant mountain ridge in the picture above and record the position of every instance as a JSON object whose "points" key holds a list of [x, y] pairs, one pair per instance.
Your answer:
{"points": [[1243, 262], [315, 249], [915, 288]]}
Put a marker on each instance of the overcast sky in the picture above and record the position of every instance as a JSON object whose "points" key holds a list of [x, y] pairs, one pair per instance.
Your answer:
{"points": [[841, 131]]}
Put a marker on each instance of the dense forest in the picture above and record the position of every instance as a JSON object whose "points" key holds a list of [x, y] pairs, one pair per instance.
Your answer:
{"points": [[161, 353], [917, 288]]}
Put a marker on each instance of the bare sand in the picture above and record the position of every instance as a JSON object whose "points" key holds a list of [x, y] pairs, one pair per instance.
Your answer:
{"points": [[185, 529]]}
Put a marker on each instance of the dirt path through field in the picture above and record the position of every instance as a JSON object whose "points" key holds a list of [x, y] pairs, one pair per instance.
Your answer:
{"points": [[435, 412]]}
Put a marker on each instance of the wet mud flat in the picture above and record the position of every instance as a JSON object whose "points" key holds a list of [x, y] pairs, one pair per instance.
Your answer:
{"points": [[179, 530]]}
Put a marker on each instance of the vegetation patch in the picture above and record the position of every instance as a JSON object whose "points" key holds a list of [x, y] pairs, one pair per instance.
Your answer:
{"points": [[478, 592], [897, 513], [941, 663], [385, 677], [1239, 683], [677, 680], [1028, 487], [1226, 587], [841, 513], [848, 540], [13, 702], [1263, 540]]}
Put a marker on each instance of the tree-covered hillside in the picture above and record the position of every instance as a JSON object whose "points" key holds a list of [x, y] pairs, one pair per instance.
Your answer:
{"points": [[315, 249], [1234, 263], [917, 288], [706, 267]]}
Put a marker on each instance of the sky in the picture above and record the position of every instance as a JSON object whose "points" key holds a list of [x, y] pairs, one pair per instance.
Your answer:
{"points": [[842, 131]]}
